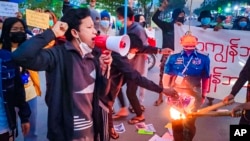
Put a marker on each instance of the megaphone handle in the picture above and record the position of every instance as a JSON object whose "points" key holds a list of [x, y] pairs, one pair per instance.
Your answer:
{"points": [[107, 73]]}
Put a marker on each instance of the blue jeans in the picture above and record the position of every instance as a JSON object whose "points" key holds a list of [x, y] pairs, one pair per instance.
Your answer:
{"points": [[32, 135]]}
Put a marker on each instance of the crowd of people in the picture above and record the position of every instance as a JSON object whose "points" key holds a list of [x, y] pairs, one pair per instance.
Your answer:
{"points": [[83, 82]]}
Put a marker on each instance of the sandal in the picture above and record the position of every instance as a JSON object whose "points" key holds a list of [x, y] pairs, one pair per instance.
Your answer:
{"points": [[113, 134], [158, 102], [135, 120], [117, 116]]}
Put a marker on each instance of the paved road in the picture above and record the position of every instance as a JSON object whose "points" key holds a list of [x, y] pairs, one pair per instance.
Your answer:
{"points": [[208, 128]]}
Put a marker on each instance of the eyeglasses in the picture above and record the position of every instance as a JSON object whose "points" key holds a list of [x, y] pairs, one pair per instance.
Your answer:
{"points": [[16, 29]]}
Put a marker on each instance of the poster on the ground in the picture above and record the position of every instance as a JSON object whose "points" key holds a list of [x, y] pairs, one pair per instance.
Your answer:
{"points": [[228, 51]]}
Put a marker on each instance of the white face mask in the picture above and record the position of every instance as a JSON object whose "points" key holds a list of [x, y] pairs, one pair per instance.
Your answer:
{"points": [[104, 23], [130, 56], [84, 47]]}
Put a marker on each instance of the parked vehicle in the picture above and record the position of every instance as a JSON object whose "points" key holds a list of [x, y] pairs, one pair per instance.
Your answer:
{"points": [[151, 61]]}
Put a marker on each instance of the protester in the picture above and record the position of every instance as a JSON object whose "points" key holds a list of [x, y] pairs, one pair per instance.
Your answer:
{"points": [[136, 60], [14, 34], [244, 77], [12, 92], [12, 95], [240, 108], [122, 71], [105, 25], [167, 28], [219, 25], [241, 23], [205, 18], [188, 73], [141, 19], [76, 77], [52, 18], [52, 21], [95, 15]]}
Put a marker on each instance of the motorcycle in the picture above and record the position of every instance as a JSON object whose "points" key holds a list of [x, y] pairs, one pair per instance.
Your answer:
{"points": [[151, 61]]}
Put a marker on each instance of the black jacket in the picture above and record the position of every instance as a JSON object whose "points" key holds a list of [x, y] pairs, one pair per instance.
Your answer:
{"points": [[121, 70], [167, 30], [13, 90], [57, 62], [243, 78]]}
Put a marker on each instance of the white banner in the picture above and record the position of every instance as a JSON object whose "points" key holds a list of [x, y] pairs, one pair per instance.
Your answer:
{"points": [[228, 51], [8, 9]]}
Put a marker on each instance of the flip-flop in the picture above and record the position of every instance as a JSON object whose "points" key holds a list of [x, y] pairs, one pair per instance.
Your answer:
{"points": [[116, 116], [158, 102], [113, 134], [135, 120]]}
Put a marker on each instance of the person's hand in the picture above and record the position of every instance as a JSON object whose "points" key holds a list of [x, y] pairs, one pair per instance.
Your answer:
{"points": [[217, 28], [170, 92], [166, 51], [179, 23], [60, 28], [19, 15], [164, 5], [105, 60], [25, 128], [236, 112], [39, 10], [228, 98]]}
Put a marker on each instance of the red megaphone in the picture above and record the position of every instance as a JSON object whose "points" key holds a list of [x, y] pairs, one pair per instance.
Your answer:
{"points": [[119, 44]]}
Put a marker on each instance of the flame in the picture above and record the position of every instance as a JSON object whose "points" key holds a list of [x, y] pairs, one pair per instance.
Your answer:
{"points": [[175, 114]]}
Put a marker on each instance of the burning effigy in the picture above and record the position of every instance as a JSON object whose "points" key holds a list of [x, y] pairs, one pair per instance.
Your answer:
{"points": [[181, 115]]}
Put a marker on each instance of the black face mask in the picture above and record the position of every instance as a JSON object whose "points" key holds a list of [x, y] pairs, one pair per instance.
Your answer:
{"points": [[18, 37], [180, 19], [143, 24]]}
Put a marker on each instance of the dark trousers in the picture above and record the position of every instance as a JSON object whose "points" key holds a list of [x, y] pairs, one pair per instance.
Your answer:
{"points": [[121, 99], [162, 64], [245, 118], [132, 97]]}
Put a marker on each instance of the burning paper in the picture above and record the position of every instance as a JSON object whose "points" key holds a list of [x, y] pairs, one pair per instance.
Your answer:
{"points": [[176, 114]]}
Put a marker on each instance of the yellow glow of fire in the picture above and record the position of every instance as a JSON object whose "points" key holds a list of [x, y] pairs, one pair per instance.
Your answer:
{"points": [[175, 114]]}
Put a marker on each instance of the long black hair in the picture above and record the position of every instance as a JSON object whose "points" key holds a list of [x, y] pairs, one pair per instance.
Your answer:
{"points": [[5, 36]]}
